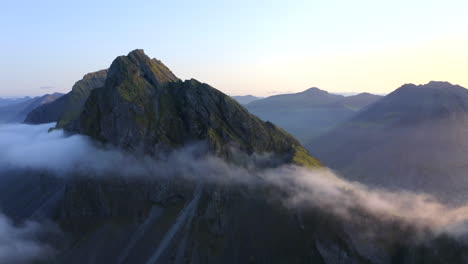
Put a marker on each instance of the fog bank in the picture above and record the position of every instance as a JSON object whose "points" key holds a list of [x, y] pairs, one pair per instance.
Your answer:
{"points": [[32, 147]]}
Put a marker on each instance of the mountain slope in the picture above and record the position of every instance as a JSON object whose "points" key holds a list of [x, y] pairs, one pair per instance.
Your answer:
{"points": [[414, 138], [310, 113], [69, 106], [18, 112], [143, 107]]}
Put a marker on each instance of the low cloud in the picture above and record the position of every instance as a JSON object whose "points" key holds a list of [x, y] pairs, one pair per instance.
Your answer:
{"points": [[32, 147], [19, 243]]}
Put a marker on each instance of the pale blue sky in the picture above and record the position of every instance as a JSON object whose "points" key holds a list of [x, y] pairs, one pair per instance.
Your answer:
{"points": [[240, 47]]}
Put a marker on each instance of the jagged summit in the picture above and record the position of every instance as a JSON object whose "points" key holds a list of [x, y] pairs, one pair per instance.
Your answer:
{"points": [[144, 107], [152, 70]]}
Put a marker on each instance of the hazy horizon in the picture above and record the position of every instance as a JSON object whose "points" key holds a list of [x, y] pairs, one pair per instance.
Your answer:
{"points": [[240, 48]]}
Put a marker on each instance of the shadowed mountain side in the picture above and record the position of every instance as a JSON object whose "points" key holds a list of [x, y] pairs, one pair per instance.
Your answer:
{"points": [[47, 113]]}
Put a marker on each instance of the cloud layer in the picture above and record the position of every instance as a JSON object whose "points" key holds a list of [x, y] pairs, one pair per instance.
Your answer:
{"points": [[19, 243], [32, 147]]}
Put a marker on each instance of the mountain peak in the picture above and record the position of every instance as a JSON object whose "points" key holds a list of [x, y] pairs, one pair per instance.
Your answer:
{"points": [[143, 107], [314, 90], [137, 52], [138, 64]]}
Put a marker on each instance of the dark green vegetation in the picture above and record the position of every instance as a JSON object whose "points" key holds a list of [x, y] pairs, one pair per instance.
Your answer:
{"points": [[310, 113], [70, 105], [144, 107], [17, 112], [413, 138]]}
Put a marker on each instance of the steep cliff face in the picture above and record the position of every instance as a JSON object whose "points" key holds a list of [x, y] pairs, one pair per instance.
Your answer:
{"points": [[144, 107]]}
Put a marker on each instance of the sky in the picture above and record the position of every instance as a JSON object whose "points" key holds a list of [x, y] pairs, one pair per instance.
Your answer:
{"points": [[239, 47]]}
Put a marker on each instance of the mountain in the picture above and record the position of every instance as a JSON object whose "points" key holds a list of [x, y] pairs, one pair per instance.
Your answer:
{"points": [[10, 101], [192, 206], [245, 99], [310, 113], [144, 107], [17, 112], [69, 106], [413, 138]]}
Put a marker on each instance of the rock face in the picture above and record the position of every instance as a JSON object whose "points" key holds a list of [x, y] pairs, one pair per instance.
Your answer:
{"points": [[311, 113], [144, 107], [413, 138], [70, 105]]}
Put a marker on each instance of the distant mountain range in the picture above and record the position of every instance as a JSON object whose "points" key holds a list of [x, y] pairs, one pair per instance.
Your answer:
{"points": [[414, 138], [15, 111], [245, 99], [10, 101], [310, 113]]}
